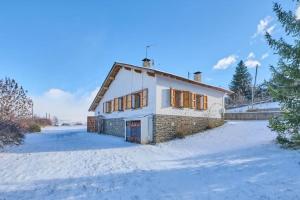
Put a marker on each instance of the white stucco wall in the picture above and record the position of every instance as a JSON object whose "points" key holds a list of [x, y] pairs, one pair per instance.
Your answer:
{"points": [[125, 83], [215, 98]]}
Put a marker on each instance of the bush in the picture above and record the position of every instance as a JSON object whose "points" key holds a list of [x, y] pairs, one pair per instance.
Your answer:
{"points": [[214, 123], [292, 142], [10, 133], [180, 134], [181, 130], [33, 128]]}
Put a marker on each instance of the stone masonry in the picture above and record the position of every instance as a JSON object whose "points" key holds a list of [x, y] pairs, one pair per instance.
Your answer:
{"points": [[166, 127]]}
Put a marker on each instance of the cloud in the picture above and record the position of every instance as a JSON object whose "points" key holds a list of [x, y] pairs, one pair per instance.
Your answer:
{"points": [[298, 13], [252, 63], [264, 56], [67, 106], [251, 55], [224, 63], [264, 26]]}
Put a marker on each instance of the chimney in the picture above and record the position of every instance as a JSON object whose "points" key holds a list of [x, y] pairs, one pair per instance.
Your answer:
{"points": [[197, 76], [146, 62]]}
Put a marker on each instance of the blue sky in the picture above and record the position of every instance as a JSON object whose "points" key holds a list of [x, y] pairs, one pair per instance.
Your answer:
{"points": [[68, 47]]}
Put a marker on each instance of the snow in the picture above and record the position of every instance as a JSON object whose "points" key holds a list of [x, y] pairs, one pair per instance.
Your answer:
{"points": [[236, 161], [267, 105]]}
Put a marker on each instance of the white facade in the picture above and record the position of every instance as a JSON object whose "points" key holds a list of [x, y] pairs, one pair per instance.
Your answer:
{"points": [[127, 82], [163, 84]]}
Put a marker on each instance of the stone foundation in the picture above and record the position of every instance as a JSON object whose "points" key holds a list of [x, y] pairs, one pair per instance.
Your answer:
{"points": [[167, 127], [114, 127]]}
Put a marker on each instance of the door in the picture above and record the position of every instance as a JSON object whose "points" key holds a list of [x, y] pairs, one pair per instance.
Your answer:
{"points": [[133, 131]]}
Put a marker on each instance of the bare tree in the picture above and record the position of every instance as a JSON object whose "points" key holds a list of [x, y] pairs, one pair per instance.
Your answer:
{"points": [[55, 121], [14, 103]]}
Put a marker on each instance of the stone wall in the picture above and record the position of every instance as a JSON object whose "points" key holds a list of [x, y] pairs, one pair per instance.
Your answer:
{"points": [[251, 115], [114, 127], [167, 127]]}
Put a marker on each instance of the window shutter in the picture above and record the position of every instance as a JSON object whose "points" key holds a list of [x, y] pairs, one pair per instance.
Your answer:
{"points": [[137, 100], [115, 104], [190, 100], [205, 103], [145, 98], [181, 99], [172, 97], [186, 99], [129, 106], [193, 101], [124, 103]]}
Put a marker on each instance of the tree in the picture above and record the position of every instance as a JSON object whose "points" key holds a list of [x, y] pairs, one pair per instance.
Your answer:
{"points": [[55, 121], [241, 81], [284, 85], [14, 103]]}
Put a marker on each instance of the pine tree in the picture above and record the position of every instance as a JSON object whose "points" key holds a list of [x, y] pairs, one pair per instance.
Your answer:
{"points": [[284, 85], [241, 82]]}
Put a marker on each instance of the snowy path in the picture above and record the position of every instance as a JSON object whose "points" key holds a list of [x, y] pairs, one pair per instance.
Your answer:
{"points": [[236, 161]]}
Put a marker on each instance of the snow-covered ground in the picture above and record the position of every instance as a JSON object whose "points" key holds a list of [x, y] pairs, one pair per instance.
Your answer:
{"points": [[267, 105], [236, 161]]}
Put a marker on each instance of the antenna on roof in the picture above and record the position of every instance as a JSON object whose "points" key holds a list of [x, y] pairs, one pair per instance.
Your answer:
{"points": [[147, 47]]}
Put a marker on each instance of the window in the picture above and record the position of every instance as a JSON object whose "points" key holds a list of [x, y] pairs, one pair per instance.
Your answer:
{"points": [[120, 104], [178, 99], [199, 102], [136, 100], [108, 107], [145, 98], [186, 99]]}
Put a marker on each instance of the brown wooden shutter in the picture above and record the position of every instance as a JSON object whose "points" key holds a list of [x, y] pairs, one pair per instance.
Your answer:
{"points": [[193, 101], [124, 103], [190, 100], [172, 97], [145, 98], [186, 100], [205, 103], [115, 102], [128, 99]]}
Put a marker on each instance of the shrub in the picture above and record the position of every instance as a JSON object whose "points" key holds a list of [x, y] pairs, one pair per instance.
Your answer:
{"points": [[181, 130], [33, 128], [214, 123], [180, 134], [10, 133]]}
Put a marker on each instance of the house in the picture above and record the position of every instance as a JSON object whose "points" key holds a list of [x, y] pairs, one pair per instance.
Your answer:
{"points": [[146, 105]]}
